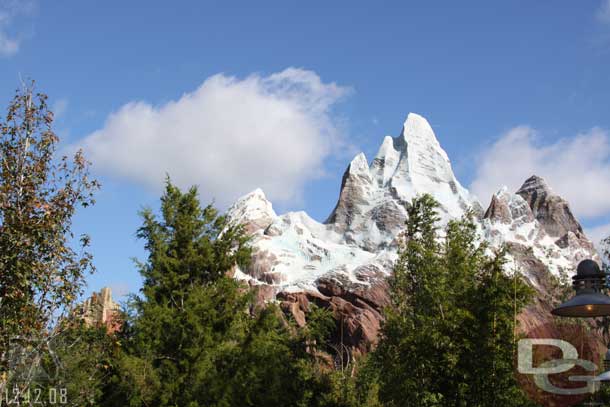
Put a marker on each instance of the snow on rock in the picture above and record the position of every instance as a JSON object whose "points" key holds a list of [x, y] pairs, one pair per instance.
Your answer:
{"points": [[539, 230], [543, 239], [371, 211], [424, 167], [253, 210], [293, 251], [342, 263], [551, 210]]}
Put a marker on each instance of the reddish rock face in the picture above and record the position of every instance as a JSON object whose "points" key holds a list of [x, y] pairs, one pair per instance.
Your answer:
{"points": [[552, 211], [554, 214], [357, 309], [498, 211], [589, 350], [101, 310]]}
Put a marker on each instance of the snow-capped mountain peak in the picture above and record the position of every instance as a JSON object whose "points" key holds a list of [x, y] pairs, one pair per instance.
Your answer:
{"points": [[359, 166], [343, 261], [253, 210], [427, 157], [369, 215], [411, 164]]}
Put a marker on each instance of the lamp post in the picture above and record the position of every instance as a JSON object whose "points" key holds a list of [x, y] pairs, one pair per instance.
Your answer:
{"points": [[589, 301]]}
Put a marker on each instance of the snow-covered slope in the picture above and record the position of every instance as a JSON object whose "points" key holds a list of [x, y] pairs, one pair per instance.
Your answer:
{"points": [[293, 250], [356, 246], [538, 226], [370, 211], [342, 262]]}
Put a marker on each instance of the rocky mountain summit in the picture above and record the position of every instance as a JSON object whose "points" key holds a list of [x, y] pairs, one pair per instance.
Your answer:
{"points": [[343, 263], [100, 310]]}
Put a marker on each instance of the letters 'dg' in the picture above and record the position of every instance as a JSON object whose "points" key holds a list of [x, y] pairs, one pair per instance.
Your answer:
{"points": [[569, 359]]}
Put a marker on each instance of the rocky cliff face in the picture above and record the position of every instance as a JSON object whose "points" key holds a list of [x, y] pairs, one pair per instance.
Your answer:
{"points": [[101, 310], [554, 214], [343, 263], [540, 230]]}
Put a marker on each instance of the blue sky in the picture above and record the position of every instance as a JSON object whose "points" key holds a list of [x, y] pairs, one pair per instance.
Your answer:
{"points": [[510, 88]]}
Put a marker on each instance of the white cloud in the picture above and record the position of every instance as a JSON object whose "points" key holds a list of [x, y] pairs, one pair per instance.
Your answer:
{"points": [[8, 46], [598, 233], [603, 12], [59, 108], [577, 168], [9, 10], [229, 136]]}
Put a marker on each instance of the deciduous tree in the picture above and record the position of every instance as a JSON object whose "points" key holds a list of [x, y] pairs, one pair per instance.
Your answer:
{"points": [[41, 271]]}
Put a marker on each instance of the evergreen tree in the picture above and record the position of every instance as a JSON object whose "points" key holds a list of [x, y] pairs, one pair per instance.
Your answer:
{"points": [[194, 338], [448, 338], [188, 247]]}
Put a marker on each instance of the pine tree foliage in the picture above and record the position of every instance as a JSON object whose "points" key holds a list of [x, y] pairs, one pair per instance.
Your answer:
{"points": [[194, 337], [448, 338], [188, 247]]}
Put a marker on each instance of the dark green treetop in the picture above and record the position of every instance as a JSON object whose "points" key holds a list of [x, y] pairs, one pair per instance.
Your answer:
{"points": [[448, 338]]}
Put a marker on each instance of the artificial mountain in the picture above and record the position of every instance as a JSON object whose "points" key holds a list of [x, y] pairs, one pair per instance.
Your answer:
{"points": [[342, 264]]}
